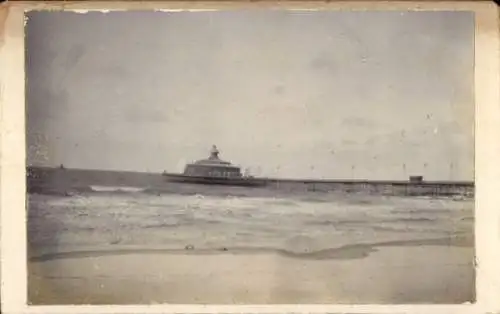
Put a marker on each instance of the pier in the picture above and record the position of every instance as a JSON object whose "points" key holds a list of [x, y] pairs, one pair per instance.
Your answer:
{"points": [[39, 178]]}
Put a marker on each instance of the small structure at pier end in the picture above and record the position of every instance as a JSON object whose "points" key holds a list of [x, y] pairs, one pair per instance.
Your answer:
{"points": [[213, 170]]}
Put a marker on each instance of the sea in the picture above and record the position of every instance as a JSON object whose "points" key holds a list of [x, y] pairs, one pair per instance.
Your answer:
{"points": [[104, 219]]}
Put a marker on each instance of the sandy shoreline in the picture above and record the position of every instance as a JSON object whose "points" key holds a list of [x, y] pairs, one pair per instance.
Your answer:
{"points": [[139, 249], [414, 274], [352, 251]]}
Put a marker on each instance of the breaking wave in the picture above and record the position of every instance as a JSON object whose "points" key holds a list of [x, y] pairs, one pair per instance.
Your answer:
{"points": [[122, 189]]}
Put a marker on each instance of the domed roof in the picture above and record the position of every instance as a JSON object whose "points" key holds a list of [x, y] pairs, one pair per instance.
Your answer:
{"points": [[213, 159]]}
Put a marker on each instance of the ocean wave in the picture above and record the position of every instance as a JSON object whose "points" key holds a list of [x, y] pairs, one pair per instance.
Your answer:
{"points": [[123, 189], [97, 218]]}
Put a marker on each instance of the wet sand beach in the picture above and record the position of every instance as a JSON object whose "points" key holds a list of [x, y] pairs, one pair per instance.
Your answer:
{"points": [[392, 275]]}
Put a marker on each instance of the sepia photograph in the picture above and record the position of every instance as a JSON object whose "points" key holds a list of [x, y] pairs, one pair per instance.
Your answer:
{"points": [[250, 156]]}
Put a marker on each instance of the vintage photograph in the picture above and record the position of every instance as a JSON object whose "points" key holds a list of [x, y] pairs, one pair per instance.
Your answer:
{"points": [[250, 156]]}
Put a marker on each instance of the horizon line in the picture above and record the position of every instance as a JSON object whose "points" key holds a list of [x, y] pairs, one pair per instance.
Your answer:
{"points": [[423, 181]]}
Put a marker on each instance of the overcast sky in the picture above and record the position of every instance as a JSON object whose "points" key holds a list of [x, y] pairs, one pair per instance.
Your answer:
{"points": [[377, 95]]}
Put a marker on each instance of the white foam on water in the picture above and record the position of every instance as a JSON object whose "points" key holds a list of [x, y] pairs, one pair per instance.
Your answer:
{"points": [[129, 189], [99, 219]]}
